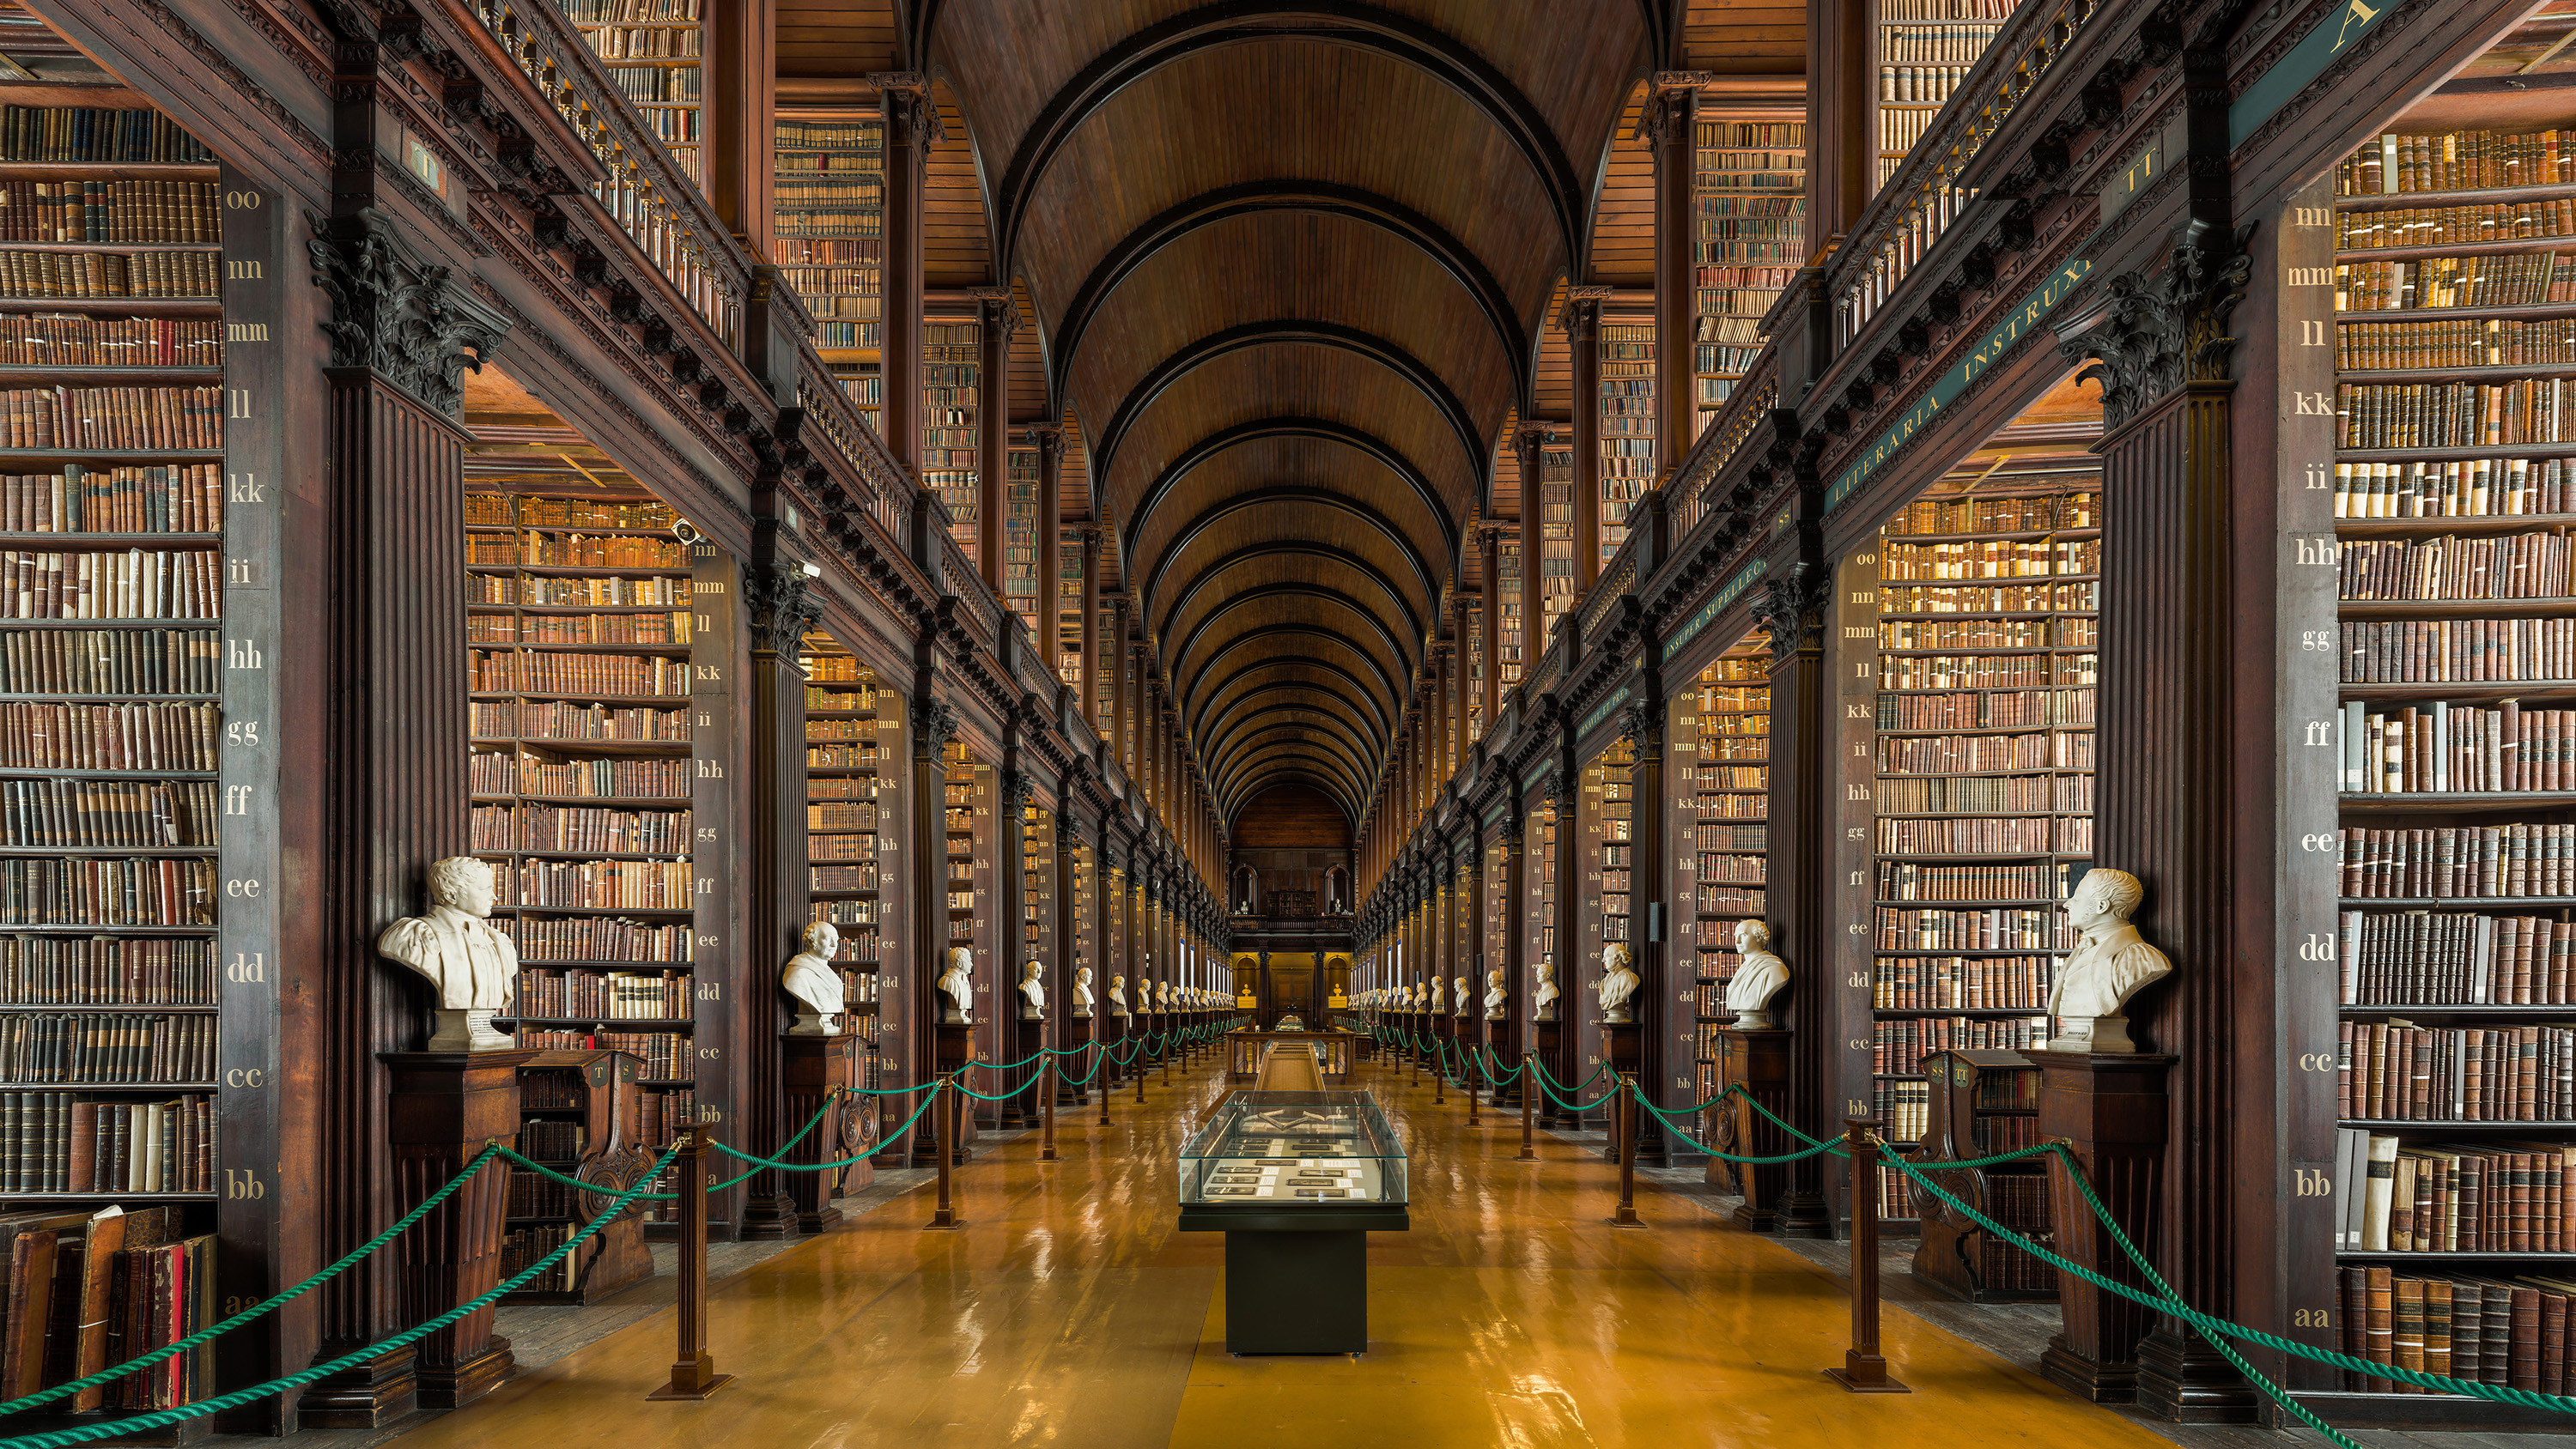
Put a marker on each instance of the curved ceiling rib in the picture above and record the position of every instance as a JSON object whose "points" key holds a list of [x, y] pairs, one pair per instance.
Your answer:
{"points": [[1387, 699], [1224, 508], [1226, 740], [1228, 807], [1336, 22], [1319, 197], [1180, 364], [1285, 732], [1240, 781], [1324, 429], [1298, 548], [1407, 652], [1223, 714]]}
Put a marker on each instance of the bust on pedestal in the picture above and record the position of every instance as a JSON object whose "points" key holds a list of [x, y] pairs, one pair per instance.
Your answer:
{"points": [[1543, 992], [1494, 994], [1082, 991], [1458, 996], [2110, 964], [1032, 991], [1618, 983], [455, 947], [1759, 976], [958, 984], [1118, 995], [810, 979]]}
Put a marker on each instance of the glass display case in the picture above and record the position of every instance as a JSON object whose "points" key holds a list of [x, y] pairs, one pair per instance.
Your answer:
{"points": [[1294, 1149]]}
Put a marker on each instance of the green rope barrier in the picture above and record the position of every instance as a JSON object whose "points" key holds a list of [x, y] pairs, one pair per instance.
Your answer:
{"points": [[811, 1123], [284, 1297], [1684, 1133], [162, 1418]]}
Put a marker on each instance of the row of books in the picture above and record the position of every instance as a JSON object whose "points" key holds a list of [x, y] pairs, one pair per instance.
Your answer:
{"points": [[142, 275], [1985, 671], [79, 340], [168, 891], [2457, 651], [610, 996], [110, 661], [1903, 10], [666, 1055], [2519, 279], [134, 583], [554, 1141], [628, 675], [124, 1047], [2395, 1071], [1993, 558], [2476, 488], [92, 813], [604, 779], [1960, 983], [109, 736], [534, 1196], [1979, 753], [642, 885], [596, 938], [1953, 44], [558, 827], [2484, 1330], [672, 628], [149, 212], [2442, 226], [1906, 1108], [1984, 837], [106, 971], [2457, 748], [1907, 881], [2517, 566], [2488, 342], [87, 1290], [2508, 1197], [2001, 599], [563, 719], [1986, 709], [648, 42], [841, 847], [2458, 862], [2070, 633], [506, 510], [578, 550], [606, 592], [1986, 794], [2454, 958], [1897, 1048], [2457, 161], [64, 1142], [1919, 85], [182, 498], [1989, 930], [95, 133], [2455, 414]]}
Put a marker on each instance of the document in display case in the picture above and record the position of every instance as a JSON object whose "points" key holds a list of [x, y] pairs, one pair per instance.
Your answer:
{"points": [[1296, 1181]]}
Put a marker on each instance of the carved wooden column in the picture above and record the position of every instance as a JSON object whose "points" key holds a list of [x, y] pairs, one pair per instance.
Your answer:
{"points": [[1583, 341], [996, 318], [376, 665], [1642, 724], [2181, 608], [1669, 126], [1799, 865], [741, 89], [1094, 539], [778, 608], [1842, 141], [1525, 452], [1503, 1033], [1491, 537], [1048, 440], [934, 725], [1010, 838], [911, 126]]}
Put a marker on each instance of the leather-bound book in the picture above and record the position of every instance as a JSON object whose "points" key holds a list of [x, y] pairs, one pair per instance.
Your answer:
{"points": [[2407, 1340], [2382, 1326]]}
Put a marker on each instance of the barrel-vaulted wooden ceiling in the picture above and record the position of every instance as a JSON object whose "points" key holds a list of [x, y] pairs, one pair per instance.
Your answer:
{"points": [[1290, 268]]}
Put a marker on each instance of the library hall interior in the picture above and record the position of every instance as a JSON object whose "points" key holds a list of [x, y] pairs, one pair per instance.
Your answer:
{"points": [[1205, 724]]}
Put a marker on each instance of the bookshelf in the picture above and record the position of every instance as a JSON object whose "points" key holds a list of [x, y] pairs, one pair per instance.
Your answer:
{"points": [[113, 1010], [828, 234], [1925, 50], [1556, 536], [579, 619], [1540, 869], [1627, 410], [1749, 224], [1020, 591], [2454, 682], [1507, 597], [653, 50], [1066, 646], [847, 769], [1985, 612], [1983, 1103], [1724, 863], [950, 382], [1472, 646]]}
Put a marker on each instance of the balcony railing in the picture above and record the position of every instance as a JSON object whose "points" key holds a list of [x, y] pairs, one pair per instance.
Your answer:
{"points": [[1926, 195], [643, 192]]}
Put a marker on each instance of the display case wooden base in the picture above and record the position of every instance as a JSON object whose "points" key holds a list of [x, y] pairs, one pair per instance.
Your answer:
{"points": [[444, 1107], [1760, 1061], [809, 1068], [2112, 1110]]}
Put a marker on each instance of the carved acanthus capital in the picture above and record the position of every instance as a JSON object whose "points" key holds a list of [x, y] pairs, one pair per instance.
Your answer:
{"points": [[1792, 607], [2154, 334], [1581, 318], [1641, 725], [997, 310], [781, 606], [1048, 439], [1016, 792], [934, 727], [392, 312], [910, 112]]}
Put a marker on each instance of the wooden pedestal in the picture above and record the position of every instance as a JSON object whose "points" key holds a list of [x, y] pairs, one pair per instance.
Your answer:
{"points": [[1547, 1041], [809, 1067], [1027, 1038], [955, 1048], [1760, 1061], [1622, 1050], [611, 1113], [444, 1107], [2113, 1110], [1503, 1052], [1072, 1035]]}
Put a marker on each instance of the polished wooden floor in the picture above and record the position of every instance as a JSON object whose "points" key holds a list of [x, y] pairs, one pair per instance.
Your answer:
{"points": [[1069, 1312]]}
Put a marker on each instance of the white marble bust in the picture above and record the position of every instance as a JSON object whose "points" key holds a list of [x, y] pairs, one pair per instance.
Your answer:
{"points": [[1544, 993], [1432, 1000], [2111, 963], [1618, 983], [457, 949], [1759, 976], [1494, 994], [1457, 996], [959, 982], [1032, 992], [1082, 998], [1118, 995], [816, 986]]}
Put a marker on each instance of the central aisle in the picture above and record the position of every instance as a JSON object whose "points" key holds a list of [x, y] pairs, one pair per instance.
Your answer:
{"points": [[1069, 1312]]}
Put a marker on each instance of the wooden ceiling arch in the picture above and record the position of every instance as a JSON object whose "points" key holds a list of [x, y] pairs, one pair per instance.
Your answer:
{"points": [[1222, 736], [1227, 507], [1406, 652], [1244, 778], [1288, 775], [1385, 698], [1325, 429], [1221, 764], [1408, 623], [1240, 690]]}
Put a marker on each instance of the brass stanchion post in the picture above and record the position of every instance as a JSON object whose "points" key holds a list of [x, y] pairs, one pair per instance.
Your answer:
{"points": [[693, 1369], [1100, 1078], [1468, 1082], [1624, 1123], [943, 1134], [1046, 1096], [1864, 1370], [1529, 1090]]}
